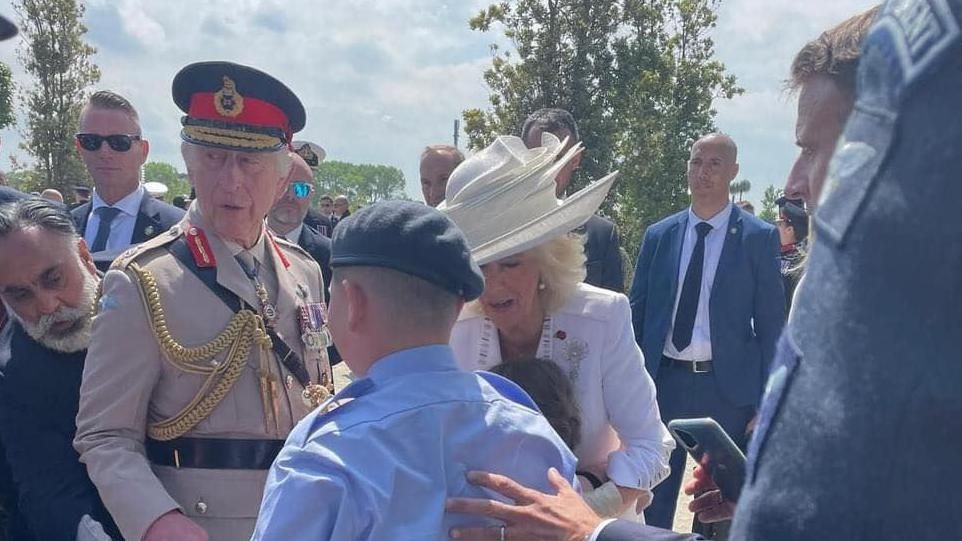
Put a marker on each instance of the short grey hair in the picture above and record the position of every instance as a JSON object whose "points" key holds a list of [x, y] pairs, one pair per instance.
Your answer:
{"points": [[37, 213], [551, 120]]}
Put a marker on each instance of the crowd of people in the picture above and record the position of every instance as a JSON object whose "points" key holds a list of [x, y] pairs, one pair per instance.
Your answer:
{"points": [[167, 373]]}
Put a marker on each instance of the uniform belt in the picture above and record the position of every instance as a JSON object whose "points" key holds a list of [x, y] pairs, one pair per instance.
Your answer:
{"points": [[697, 367], [213, 454]]}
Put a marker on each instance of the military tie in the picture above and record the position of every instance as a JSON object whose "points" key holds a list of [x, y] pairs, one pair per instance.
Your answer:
{"points": [[690, 291], [251, 267], [106, 215]]}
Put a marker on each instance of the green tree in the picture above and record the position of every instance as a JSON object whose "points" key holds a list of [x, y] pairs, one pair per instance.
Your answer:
{"points": [[168, 175], [363, 184], [7, 117], [56, 56], [639, 76], [740, 188], [769, 211]]}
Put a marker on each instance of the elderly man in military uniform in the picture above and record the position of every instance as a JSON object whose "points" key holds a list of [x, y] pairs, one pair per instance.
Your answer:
{"points": [[209, 342]]}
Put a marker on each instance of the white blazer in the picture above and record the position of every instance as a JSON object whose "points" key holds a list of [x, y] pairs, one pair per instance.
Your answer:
{"points": [[593, 342]]}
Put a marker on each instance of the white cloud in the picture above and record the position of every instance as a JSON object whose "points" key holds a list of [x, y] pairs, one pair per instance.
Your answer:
{"points": [[383, 78]]}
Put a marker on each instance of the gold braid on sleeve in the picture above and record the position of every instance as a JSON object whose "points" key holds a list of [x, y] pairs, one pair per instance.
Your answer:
{"points": [[244, 330]]}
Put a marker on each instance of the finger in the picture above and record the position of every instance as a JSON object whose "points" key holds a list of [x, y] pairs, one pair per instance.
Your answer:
{"points": [[558, 482], [705, 501], [503, 485], [488, 508], [716, 514]]}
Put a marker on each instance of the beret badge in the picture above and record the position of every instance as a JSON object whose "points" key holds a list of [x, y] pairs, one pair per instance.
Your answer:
{"points": [[227, 101]]}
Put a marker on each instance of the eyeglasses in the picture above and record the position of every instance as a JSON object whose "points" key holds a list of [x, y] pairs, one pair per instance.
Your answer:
{"points": [[118, 142], [301, 189]]}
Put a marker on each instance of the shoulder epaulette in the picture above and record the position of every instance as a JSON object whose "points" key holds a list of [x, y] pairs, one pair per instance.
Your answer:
{"points": [[128, 257]]}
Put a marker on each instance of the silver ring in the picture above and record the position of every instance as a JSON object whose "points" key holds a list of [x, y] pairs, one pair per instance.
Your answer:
{"points": [[502, 532]]}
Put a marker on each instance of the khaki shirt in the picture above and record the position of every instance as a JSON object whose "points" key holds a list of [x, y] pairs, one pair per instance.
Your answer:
{"points": [[129, 382]]}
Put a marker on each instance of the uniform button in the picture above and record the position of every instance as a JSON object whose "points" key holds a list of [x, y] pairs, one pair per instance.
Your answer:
{"points": [[200, 507]]}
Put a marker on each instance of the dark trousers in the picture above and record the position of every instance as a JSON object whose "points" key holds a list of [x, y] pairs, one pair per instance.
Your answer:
{"points": [[683, 394]]}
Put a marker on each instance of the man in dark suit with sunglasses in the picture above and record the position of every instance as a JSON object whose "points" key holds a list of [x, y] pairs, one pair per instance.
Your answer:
{"points": [[120, 213]]}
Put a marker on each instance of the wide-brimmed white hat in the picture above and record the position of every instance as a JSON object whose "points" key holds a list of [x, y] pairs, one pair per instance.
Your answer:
{"points": [[156, 189], [503, 197]]}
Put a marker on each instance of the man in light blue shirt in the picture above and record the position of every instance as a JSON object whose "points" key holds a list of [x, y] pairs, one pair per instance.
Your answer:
{"points": [[379, 459]]}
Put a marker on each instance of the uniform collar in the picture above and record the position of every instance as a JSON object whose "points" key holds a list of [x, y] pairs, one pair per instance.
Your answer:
{"points": [[129, 204], [437, 358]]}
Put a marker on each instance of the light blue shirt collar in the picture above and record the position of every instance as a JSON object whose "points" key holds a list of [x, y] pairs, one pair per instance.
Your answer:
{"points": [[438, 358], [129, 204], [717, 222]]}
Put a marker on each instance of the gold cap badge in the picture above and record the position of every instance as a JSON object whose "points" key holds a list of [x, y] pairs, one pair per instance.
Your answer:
{"points": [[227, 101]]}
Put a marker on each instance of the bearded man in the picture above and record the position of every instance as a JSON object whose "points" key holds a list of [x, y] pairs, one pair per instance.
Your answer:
{"points": [[49, 294]]}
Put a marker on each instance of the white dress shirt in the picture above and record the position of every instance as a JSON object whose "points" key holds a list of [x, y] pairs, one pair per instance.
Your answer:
{"points": [[700, 347], [122, 227]]}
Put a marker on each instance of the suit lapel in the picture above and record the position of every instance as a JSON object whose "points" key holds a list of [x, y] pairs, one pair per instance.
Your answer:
{"points": [[730, 250], [676, 239], [147, 224], [83, 216]]}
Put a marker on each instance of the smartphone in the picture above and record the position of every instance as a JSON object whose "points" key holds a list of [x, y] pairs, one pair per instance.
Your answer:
{"points": [[711, 447]]}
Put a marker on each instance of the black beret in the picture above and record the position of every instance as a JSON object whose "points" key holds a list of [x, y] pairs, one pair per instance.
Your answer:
{"points": [[412, 238]]}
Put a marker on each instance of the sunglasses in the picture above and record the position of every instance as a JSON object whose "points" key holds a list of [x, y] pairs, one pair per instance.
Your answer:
{"points": [[118, 142], [301, 189]]}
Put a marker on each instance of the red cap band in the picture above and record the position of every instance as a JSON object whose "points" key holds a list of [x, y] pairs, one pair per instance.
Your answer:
{"points": [[254, 113]]}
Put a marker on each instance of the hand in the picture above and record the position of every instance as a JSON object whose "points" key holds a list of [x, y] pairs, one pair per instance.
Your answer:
{"points": [[751, 425], [173, 526], [534, 515], [709, 505]]}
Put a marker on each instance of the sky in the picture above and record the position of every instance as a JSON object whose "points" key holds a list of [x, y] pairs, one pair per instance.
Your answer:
{"points": [[381, 79]]}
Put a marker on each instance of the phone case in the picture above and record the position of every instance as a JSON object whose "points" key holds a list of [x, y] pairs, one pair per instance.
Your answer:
{"points": [[710, 446]]}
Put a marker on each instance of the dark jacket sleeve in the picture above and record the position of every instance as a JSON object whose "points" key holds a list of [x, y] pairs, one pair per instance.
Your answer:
{"points": [[614, 273], [53, 487], [769, 309], [638, 295], [623, 530]]}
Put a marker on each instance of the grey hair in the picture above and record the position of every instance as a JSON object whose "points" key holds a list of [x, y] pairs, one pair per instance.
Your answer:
{"points": [[36, 213], [551, 120]]}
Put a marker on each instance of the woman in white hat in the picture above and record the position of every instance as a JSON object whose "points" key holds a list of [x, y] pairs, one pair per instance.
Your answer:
{"points": [[535, 305]]}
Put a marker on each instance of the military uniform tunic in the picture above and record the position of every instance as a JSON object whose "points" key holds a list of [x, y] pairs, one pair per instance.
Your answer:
{"points": [[131, 381]]}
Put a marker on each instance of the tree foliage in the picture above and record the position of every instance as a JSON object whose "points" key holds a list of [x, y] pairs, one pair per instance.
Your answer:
{"points": [[739, 188], [57, 58], [639, 76], [769, 211], [165, 173], [363, 184], [7, 116]]}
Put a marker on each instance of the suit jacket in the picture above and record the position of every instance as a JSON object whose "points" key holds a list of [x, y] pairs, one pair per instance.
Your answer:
{"points": [[129, 381], [154, 218], [746, 309], [320, 223], [39, 392], [624, 530], [319, 246], [603, 253]]}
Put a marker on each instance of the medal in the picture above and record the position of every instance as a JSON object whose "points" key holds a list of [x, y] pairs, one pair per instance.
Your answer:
{"points": [[314, 332]]}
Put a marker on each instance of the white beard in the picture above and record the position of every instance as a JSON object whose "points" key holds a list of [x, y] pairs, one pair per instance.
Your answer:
{"points": [[78, 338]]}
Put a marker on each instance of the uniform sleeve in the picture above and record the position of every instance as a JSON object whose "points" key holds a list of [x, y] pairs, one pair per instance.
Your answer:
{"points": [[307, 497], [52, 486], [769, 308], [624, 530], [122, 368], [629, 395]]}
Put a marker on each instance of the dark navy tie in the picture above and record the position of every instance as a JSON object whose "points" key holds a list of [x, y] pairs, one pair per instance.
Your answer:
{"points": [[690, 291], [106, 215]]}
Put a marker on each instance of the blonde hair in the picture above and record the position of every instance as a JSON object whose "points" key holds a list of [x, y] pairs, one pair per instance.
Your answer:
{"points": [[562, 265]]}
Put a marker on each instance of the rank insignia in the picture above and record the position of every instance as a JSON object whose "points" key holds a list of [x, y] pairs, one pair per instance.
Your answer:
{"points": [[227, 101], [314, 332]]}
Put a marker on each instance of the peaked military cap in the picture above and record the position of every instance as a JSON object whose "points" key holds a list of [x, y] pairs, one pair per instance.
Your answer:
{"points": [[7, 28], [312, 153], [412, 238], [794, 213], [236, 107]]}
